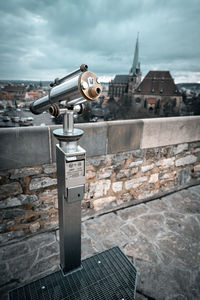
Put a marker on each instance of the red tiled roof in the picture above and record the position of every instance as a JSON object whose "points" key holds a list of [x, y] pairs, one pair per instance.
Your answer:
{"points": [[158, 83], [13, 88]]}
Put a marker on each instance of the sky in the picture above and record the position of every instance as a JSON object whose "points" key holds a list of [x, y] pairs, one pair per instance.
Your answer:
{"points": [[45, 39]]}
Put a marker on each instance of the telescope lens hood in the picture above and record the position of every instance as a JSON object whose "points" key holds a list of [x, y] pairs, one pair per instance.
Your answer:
{"points": [[32, 109]]}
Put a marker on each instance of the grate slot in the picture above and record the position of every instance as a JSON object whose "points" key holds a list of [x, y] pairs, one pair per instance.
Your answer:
{"points": [[107, 275]]}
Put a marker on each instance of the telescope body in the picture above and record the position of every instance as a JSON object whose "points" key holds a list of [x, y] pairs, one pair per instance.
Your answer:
{"points": [[84, 85]]}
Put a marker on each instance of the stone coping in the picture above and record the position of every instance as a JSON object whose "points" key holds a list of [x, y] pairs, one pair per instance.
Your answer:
{"points": [[30, 146]]}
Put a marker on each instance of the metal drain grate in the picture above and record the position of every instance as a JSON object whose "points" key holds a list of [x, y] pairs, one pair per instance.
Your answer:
{"points": [[105, 276]]}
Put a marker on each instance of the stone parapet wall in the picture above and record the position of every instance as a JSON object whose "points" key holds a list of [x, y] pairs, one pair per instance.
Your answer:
{"points": [[33, 146], [127, 178], [127, 162], [28, 195]]}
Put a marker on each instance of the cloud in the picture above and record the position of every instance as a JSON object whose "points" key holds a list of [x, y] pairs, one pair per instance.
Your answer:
{"points": [[45, 39]]}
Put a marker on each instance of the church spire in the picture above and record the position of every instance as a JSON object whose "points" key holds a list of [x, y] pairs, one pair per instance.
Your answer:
{"points": [[136, 65]]}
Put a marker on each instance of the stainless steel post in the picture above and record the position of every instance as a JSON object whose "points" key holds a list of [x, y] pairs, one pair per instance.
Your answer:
{"points": [[71, 185], [75, 88]]}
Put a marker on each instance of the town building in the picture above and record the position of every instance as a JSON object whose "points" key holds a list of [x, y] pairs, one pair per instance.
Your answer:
{"points": [[157, 95]]}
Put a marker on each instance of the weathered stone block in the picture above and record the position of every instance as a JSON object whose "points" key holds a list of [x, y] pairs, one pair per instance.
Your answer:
{"points": [[3, 227], [34, 227], [103, 202], [96, 161], [106, 174], [134, 183], [117, 186], [10, 202], [153, 178], [123, 174], [99, 188], [167, 162], [124, 198], [167, 176], [147, 194], [196, 150], [180, 148], [159, 132], [18, 201], [19, 173], [133, 171], [147, 168], [12, 213], [184, 176], [187, 160], [125, 140], [49, 196], [138, 153], [197, 168], [29, 147], [90, 174], [50, 169], [38, 183], [135, 163], [9, 189]]}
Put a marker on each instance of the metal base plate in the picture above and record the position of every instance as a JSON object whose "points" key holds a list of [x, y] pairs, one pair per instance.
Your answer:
{"points": [[105, 276]]}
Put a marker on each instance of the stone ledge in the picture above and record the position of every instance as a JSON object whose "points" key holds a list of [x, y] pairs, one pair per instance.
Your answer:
{"points": [[20, 147], [170, 131], [32, 146]]}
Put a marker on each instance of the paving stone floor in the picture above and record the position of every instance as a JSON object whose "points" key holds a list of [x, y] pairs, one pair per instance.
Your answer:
{"points": [[161, 237]]}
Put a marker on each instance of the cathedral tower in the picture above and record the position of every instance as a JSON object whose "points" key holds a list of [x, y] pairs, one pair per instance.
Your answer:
{"points": [[135, 72]]}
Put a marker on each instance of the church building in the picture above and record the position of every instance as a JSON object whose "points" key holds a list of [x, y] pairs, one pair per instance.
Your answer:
{"points": [[157, 95], [126, 84]]}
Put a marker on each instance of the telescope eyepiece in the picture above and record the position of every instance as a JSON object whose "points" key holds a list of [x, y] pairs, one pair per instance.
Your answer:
{"points": [[83, 68]]}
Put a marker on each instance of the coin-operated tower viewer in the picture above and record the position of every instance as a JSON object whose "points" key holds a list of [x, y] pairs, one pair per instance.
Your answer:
{"points": [[75, 88], [106, 275]]}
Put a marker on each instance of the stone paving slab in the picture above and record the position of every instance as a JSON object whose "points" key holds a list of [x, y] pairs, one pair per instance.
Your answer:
{"points": [[161, 237]]}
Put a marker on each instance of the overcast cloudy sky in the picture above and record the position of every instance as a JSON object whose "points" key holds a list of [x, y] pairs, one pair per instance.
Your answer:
{"points": [[44, 39]]}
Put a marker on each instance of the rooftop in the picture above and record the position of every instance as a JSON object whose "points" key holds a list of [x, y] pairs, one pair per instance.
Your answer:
{"points": [[121, 79], [158, 83]]}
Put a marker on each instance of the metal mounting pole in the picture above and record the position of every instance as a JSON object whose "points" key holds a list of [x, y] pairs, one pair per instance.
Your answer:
{"points": [[71, 185]]}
